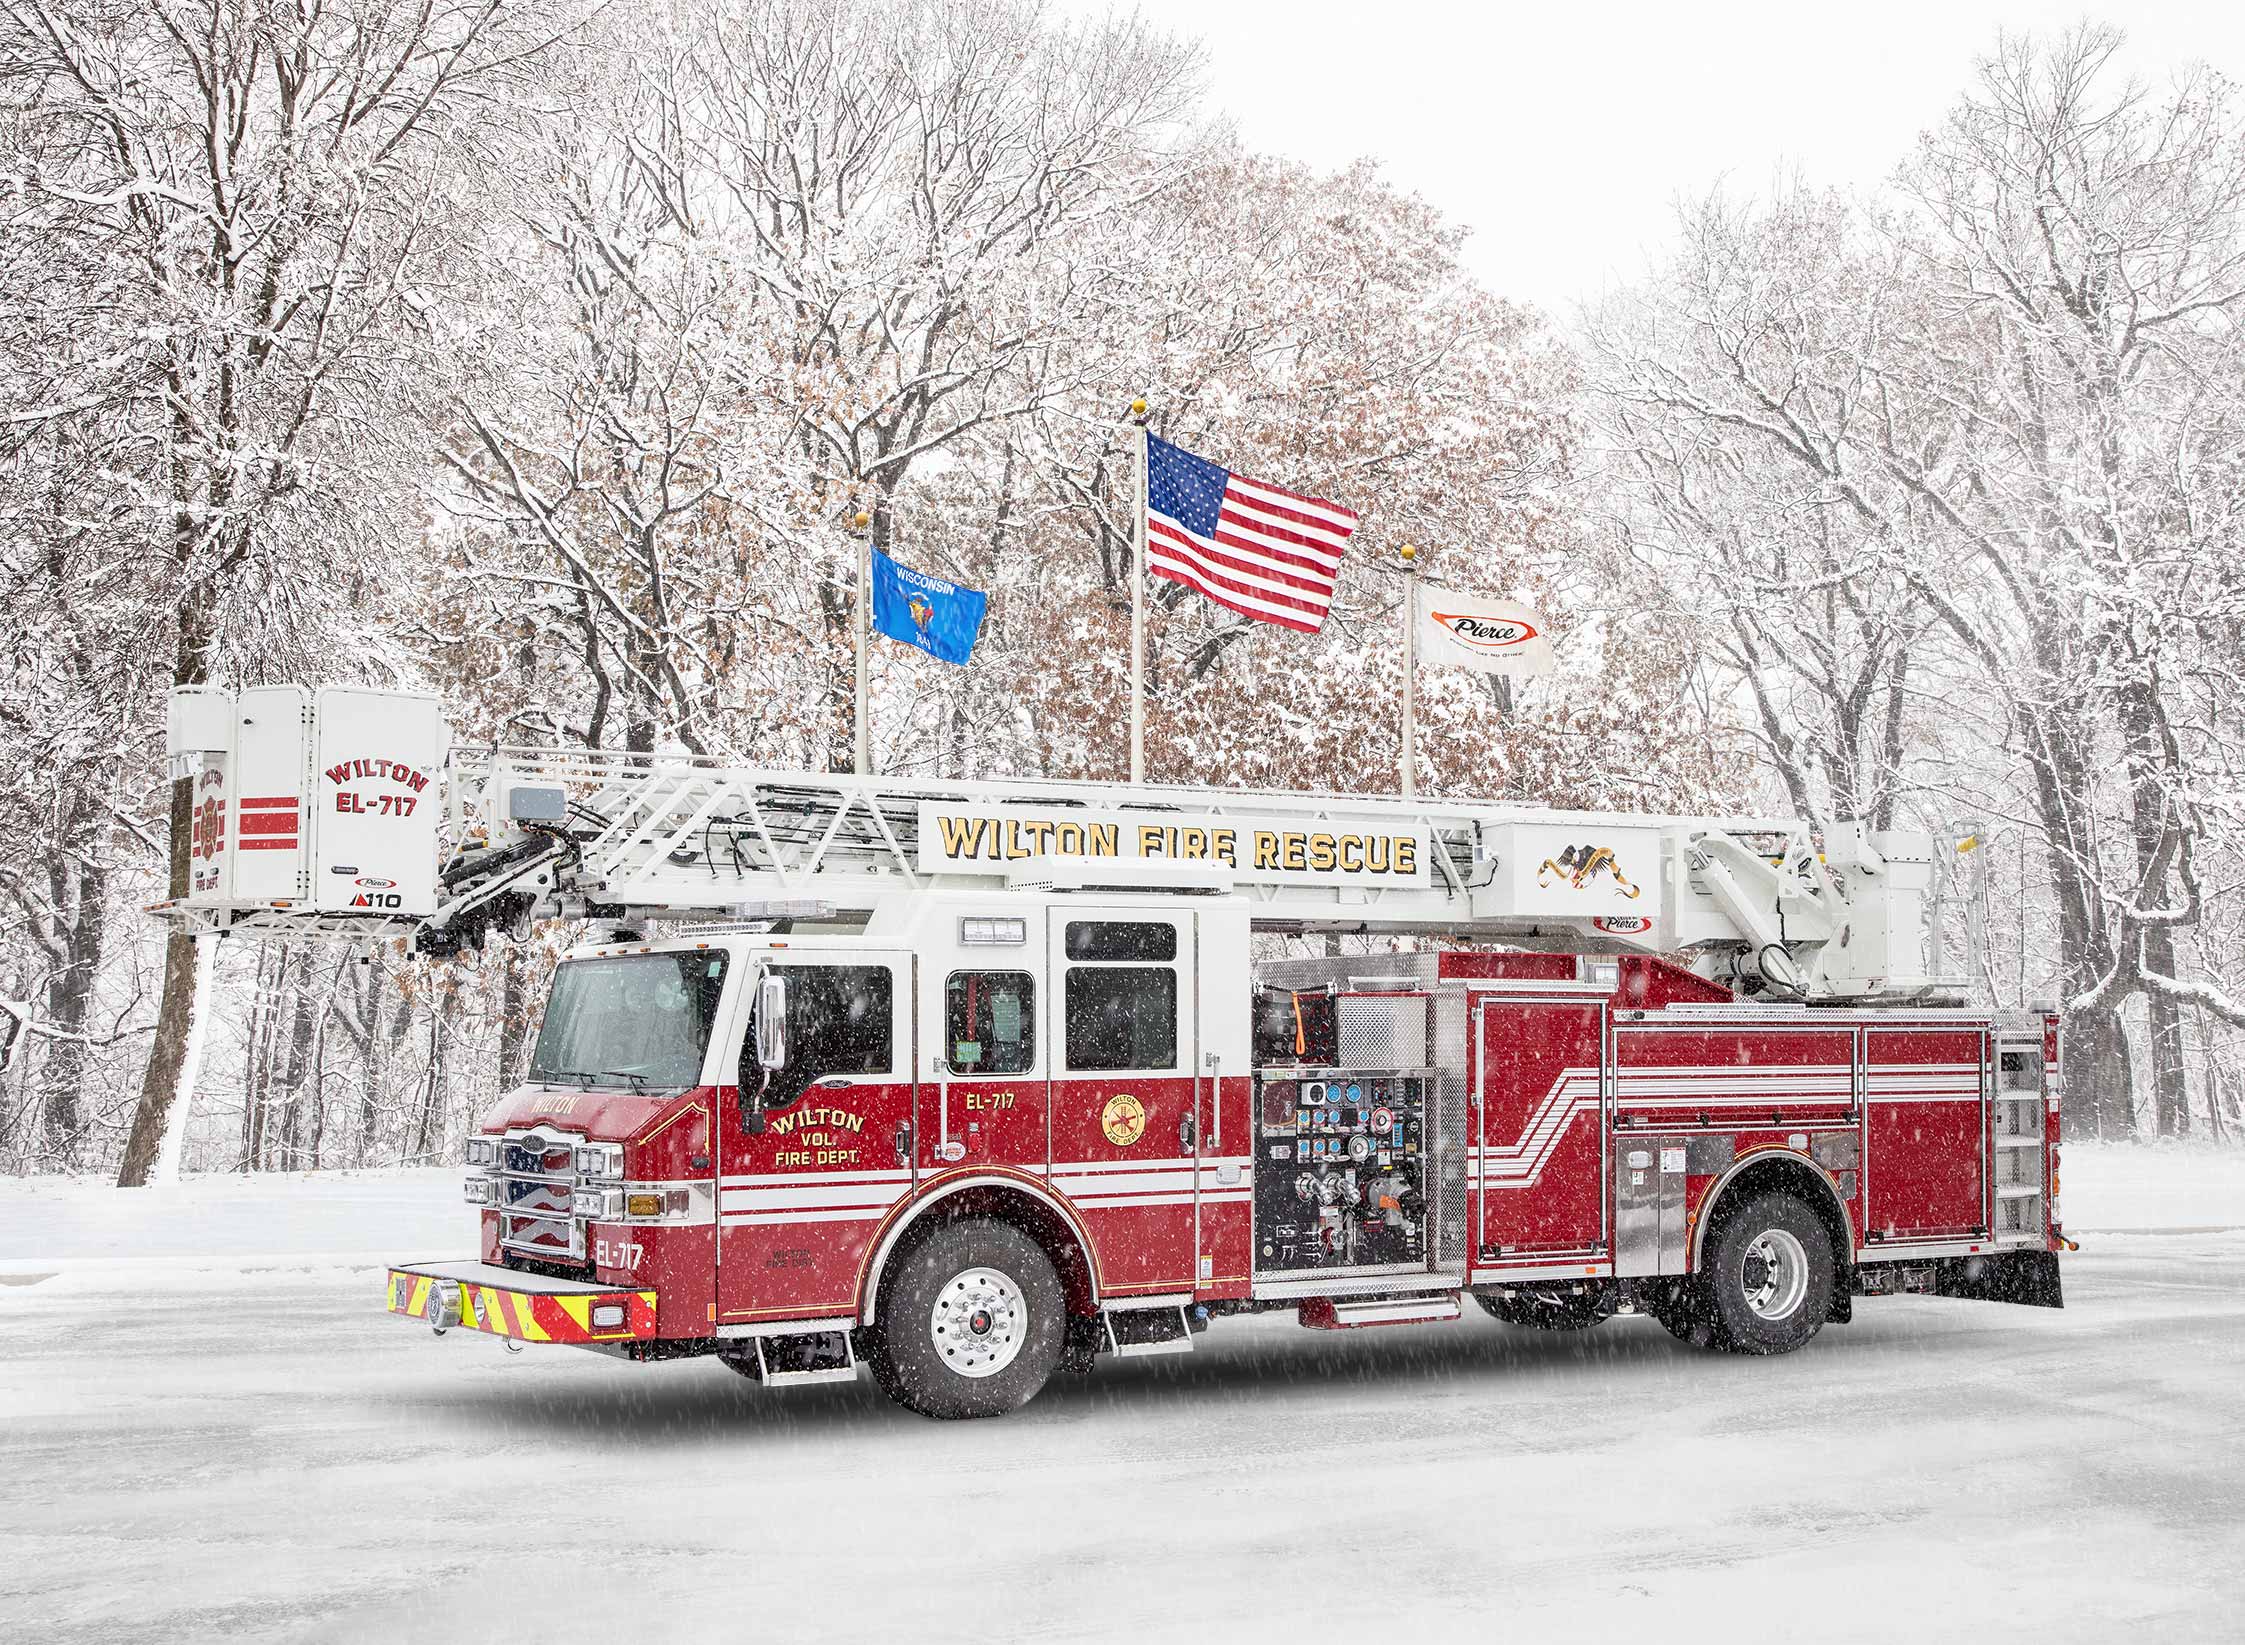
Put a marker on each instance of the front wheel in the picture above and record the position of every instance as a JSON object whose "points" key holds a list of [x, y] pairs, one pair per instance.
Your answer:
{"points": [[1767, 1285], [972, 1322]]}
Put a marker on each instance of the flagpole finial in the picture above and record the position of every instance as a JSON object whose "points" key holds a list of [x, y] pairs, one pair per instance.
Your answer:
{"points": [[1407, 553], [860, 520], [1138, 408]]}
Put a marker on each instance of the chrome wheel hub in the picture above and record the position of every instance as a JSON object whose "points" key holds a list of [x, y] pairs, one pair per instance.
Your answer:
{"points": [[1773, 1274], [979, 1322]]}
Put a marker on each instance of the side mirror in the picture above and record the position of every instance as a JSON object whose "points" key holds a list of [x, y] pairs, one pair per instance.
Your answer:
{"points": [[771, 1022], [771, 1047]]}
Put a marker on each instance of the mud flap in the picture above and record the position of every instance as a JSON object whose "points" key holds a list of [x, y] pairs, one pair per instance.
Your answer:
{"points": [[2028, 1278]]}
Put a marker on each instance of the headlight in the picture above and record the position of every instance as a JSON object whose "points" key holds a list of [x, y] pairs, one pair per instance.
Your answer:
{"points": [[598, 1204], [600, 1159], [483, 1151], [480, 1191]]}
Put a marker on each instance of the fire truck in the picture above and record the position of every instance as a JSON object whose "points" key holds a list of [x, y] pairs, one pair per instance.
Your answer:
{"points": [[976, 1082]]}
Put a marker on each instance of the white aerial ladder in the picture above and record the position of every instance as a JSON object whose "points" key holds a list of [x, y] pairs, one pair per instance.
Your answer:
{"points": [[1761, 903]]}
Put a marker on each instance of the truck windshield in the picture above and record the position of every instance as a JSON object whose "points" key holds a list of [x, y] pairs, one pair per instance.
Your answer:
{"points": [[641, 1020]]}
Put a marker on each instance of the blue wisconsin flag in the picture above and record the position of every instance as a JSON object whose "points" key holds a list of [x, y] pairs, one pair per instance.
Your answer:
{"points": [[940, 618]]}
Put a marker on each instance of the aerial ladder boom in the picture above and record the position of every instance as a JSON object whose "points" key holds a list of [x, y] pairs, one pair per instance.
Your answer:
{"points": [[543, 833]]}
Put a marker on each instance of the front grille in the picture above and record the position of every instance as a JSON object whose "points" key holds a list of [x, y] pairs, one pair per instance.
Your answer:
{"points": [[537, 1185]]}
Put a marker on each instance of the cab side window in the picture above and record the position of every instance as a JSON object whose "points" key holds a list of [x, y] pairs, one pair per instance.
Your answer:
{"points": [[990, 1022], [1120, 1015], [840, 1020]]}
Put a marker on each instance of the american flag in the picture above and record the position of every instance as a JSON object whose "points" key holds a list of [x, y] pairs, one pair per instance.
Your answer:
{"points": [[1264, 551]]}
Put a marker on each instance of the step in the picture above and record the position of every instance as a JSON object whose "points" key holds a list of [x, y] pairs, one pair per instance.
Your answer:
{"points": [[1331, 1314], [2019, 1190], [798, 1360], [1164, 1329], [2018, 1142]]}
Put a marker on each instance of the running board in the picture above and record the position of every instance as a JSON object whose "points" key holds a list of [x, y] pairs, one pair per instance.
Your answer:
{"points": [[1325, 1314], [798, 1360], [1162, 1329]]}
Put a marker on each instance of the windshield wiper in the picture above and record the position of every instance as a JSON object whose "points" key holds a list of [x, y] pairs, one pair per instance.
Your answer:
{"points": [[638, 1081]]}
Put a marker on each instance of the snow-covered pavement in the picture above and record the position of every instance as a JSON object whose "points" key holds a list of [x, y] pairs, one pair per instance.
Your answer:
{"points": [[209, 1430]]}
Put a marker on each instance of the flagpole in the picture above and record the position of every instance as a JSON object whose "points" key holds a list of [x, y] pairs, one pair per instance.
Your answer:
{"points": [[863, 541], [1138, 609], [1410, 558]]}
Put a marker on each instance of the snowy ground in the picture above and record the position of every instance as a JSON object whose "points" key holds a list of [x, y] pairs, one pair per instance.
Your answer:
{"points": [[209, 1430]]}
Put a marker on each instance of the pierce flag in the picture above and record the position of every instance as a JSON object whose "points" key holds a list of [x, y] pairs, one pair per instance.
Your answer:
{"points": [[939, 617], [1263, 551], [1472, 631]]}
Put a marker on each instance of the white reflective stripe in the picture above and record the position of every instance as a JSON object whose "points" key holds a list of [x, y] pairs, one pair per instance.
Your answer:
{"points": [[1103, 1167], [1788, 1098], [1125, 1182], [783, 1178], [775, 1219], [811, 1195]]}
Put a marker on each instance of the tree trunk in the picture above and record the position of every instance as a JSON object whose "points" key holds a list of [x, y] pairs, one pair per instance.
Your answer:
{"points": [[69, 1005], [299, 1062], [514, 1005], [159, 1084], [2170, 1080]]}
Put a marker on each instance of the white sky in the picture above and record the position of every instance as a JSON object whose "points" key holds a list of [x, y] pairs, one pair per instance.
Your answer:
{"points": [[1562, 134]]}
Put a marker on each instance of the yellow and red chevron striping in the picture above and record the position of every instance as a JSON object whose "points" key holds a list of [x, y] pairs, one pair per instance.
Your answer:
{"points": [[529, 1316]]}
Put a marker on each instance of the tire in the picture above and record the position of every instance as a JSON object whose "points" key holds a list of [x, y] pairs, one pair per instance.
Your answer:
{"points": [[1768, 1278], [1683, 1313], [972, 1322], [1550, 1310]]}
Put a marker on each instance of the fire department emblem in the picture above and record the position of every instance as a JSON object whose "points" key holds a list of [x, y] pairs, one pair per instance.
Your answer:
{"points": [[1124, 1120]]}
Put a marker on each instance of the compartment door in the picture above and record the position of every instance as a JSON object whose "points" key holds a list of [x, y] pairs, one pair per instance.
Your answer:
{"points": [[1925, 1132], [1537, 1171]]}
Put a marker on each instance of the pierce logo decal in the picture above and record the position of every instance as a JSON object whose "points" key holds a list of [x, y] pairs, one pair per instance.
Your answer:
{"points": [[1485, 634]]}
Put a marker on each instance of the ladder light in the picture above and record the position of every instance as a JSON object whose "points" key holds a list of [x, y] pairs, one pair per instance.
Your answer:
{"points": [[993, 933]]}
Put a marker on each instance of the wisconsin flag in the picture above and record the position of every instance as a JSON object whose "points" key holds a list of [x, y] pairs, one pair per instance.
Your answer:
{"points": [[939, 617]]}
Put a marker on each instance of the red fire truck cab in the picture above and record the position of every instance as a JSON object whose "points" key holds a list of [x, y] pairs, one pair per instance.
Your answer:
{"points": [[984, 1136]]}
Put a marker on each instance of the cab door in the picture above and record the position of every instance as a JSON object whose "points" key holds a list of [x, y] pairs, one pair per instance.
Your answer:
{"points": [[984, 1061], [806, 1175], [1125, 1100]]}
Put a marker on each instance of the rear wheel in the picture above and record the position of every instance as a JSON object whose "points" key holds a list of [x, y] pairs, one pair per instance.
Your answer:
{"points": [[1550, 1309], [972, 1322], [1769, 1275], [1682, 1310]]}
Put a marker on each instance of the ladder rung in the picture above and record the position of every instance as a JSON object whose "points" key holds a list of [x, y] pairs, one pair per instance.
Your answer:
{"points": [[2018, 1142], [2019, 1190]]}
